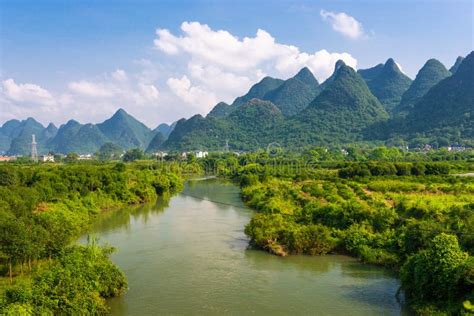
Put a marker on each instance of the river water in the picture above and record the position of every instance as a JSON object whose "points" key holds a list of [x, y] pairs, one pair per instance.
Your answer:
{"points": [[189, 255]]}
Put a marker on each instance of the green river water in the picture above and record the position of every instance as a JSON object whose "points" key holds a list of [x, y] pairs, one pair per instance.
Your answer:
{"points": [[189, 256]]}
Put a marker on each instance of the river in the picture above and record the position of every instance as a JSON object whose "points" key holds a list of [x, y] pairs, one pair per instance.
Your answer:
{"points": [[189, 255]]}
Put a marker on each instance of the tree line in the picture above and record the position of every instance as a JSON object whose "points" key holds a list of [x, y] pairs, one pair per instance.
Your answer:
{"points": [[44, 208]]}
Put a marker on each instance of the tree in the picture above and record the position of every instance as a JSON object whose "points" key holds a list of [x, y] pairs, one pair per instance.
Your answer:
{"points": [[72, 156], [435, 273], [133, 154], [109, 151], [13, 242]]}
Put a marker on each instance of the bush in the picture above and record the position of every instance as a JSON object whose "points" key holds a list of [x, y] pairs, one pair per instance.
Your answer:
{"points": [[435, 273]]}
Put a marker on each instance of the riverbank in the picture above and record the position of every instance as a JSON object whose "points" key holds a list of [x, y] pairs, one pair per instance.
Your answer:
{"points": [[191, 252], [45, 208]]}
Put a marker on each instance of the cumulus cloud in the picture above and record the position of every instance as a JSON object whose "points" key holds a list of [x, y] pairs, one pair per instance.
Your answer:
{"points": [[87, 88], [224, 65], [120, 75], [227, 52], [22, 100], [116, 86], [26, 92], [344, 24], [192, 95]]}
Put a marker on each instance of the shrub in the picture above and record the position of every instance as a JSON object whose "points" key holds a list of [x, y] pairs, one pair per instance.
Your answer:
{"points": [[435, 273]]}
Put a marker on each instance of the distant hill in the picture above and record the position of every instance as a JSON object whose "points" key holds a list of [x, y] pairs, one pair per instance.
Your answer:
{"points": [[126, 131], [338, 115], [432, 72], [87, 139], [121, 129], [65, 136], [447, 110], [388, 84], [436, 108], [21, 140], [50, 131], [258, 90], [455, 67], [164, 129], [221, 109], [370, 73], [294, 94], [249, 126], [290, 96], [7, 133], [338, 64], [156, 142]]}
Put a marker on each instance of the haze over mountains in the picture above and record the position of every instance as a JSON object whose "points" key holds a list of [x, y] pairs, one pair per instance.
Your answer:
{"points": [[376, 105]]}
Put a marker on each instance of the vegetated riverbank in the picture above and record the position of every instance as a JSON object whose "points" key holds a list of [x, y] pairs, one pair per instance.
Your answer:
{"points": [[402, 210], [44, 208], [412, 217], [191, 252]]}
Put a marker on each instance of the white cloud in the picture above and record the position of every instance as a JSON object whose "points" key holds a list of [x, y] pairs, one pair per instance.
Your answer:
{"points": [[91, 89], [120, 75], [321, 63], [226, 66], [117, 87], [26, 92], [192, 95], [343, 23], [225, 83]]}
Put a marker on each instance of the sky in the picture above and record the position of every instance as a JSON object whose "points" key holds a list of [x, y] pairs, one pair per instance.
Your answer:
{"points": [[165, 60]]}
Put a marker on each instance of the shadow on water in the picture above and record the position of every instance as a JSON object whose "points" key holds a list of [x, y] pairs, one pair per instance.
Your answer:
{"points": [[222, 192], [121, 218]]}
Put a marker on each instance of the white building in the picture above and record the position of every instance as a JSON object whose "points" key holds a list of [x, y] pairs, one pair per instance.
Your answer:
{"points": [[201, 154], [85, 157], [160, 154], [47, 158]]}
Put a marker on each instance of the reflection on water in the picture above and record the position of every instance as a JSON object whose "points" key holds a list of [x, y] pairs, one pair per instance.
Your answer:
{"points": [[188, 255]]}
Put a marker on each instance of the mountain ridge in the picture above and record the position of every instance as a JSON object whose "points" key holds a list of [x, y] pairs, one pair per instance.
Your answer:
{"points": [[343, 109]]}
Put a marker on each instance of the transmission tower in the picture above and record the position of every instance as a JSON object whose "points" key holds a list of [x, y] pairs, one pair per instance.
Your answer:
{"points": [[226, 148], [34, 150]]}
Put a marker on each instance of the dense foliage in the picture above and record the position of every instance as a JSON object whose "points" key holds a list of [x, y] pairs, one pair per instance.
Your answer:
{"points": [[389, 85], [404, 211], [341, 110], [44, 208], [428, 76], [294, 94], [75, 283]]}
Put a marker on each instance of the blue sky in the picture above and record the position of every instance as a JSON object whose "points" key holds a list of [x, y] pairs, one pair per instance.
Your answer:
{"points": [[85, 59]]}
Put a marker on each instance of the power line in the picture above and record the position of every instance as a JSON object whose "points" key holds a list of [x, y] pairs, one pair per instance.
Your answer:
{"points": [[217, 202]]}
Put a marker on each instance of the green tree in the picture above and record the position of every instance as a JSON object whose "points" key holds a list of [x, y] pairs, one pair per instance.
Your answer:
{"points": [[109, 151], [133, 154], [72, 156], [435, 273]]}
